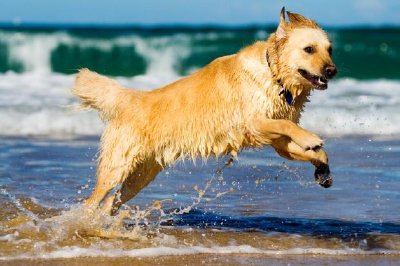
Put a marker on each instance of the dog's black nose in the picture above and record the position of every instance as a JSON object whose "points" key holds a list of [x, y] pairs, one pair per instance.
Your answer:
{"points": [[330, 71]]}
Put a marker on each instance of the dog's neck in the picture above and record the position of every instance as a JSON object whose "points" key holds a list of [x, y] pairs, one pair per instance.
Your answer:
{"points": [[285, 98], [283, 92], [288, 97], [272, 55]]}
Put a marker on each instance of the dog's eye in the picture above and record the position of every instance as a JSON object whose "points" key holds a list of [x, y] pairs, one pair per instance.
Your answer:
{"points": [[309, 50], [330, 50]]}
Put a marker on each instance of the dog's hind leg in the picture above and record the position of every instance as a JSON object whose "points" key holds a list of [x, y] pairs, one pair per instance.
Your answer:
{"points": [[143, 174], [106, 181], [117, 161]]}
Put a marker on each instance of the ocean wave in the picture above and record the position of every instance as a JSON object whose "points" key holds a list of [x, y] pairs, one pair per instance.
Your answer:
{"points": [[353, 107], [64, 53], [177, 52], [122, 55], [37, 103]]}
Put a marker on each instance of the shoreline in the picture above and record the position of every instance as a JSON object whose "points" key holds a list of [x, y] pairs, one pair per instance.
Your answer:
{"points": [[218, 259]]}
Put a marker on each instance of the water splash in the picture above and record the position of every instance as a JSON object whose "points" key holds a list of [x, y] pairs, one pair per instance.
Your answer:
{"points": [[16, 202], [80, 226]]}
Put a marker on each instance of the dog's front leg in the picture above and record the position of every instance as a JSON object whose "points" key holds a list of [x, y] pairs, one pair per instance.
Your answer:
{"points": [[290, 150], [294, 143], [268, 130]]}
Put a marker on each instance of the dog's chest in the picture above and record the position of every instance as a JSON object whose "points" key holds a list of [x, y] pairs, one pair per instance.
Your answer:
{"points": [[272, 104], [278, 106]]}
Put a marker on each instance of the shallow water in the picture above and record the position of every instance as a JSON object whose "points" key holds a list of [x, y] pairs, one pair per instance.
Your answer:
{"points": [[260, 205]]}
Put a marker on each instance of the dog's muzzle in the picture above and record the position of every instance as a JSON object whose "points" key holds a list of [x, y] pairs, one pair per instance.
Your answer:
{"points": [[319, 82]]}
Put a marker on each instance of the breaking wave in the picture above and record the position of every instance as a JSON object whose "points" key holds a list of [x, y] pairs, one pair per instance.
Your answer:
{"points": [[34, 104], [176, 51]]}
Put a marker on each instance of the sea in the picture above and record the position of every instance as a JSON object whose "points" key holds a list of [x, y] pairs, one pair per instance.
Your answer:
{"points": [[258, 210]]}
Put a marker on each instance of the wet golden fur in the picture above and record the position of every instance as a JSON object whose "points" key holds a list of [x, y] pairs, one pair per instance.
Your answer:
{"points": [[231, 104]]}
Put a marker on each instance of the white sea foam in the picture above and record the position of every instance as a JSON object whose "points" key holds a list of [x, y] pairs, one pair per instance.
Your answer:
{"points": [[32, 51], [353, 107], [75, 252], [36, 103]]}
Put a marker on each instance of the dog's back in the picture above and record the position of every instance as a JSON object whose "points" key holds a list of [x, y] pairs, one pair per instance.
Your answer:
{"points": [[199, 115]]}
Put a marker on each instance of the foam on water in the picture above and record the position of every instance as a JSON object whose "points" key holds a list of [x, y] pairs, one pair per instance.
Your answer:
{"points": [[51, 237], [76, 252], [353, 107], [36, 104]]}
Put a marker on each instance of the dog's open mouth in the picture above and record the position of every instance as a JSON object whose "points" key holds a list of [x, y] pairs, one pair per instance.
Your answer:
{"points": [[319, 82]]}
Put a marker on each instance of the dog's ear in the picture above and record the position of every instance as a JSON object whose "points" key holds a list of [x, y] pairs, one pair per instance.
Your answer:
{"points": [[281, 30], [299, 20]]}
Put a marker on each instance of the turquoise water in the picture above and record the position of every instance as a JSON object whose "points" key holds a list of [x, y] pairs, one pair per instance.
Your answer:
{"points": [[135, 51]]}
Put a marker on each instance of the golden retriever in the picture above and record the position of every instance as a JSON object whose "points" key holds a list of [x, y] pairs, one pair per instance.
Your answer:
{"points": [[245, 100]]}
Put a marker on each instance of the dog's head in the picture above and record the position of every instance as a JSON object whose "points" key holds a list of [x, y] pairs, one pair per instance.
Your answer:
{"points": [[302, 53]]}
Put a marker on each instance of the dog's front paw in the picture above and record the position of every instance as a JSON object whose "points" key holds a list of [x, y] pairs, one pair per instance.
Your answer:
{"points": [[323, 175], [309, 141]]}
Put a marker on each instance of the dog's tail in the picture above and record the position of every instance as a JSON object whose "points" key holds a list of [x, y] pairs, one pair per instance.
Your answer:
{"points": [[99, 92]]}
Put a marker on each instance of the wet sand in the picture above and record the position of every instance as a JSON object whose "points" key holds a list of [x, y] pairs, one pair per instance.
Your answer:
{"points": [[242, 259]]}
